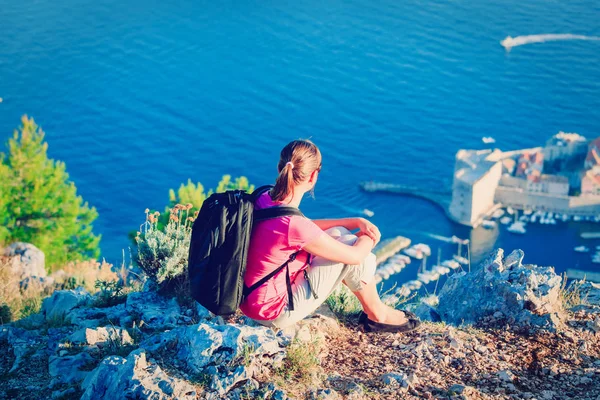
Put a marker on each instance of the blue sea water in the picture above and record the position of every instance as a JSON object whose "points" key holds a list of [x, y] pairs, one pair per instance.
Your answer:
{"points": [[138, 96]]}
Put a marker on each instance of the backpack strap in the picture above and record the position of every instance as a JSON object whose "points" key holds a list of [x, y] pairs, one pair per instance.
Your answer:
{"points": [[248, 290], [260, 190], [275, 212]]}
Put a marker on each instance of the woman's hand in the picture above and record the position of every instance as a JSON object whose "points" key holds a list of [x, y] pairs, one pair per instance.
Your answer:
{"points": [[369, 229]]}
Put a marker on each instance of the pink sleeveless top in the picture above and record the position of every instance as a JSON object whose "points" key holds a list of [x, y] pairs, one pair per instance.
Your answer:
{"points": [[271, 244]]}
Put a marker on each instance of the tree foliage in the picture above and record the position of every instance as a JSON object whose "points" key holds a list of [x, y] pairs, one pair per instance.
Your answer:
{"points": [[38, 202]]}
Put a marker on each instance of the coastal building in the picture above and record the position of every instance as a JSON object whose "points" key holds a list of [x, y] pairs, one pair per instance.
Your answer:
{"points": [[476, 177], [590, 183], [536, 179], [593, 156], [564, 145]]}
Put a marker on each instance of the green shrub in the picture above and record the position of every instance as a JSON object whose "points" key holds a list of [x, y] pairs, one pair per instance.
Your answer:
{"points": [[39, 204], [162, 254], [163, 240]]}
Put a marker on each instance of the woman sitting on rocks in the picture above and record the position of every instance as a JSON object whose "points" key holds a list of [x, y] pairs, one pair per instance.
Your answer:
{"points": [[328, 254]]}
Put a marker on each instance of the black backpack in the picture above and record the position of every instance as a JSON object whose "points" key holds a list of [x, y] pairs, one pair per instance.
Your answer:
{"points": [[219, 248]]}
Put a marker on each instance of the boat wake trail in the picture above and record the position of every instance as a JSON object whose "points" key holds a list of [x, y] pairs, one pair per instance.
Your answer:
{"points": [[511, 42], [439, 237]]}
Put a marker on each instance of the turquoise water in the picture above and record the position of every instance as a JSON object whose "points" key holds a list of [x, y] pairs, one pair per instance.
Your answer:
{"points": [[137, 97]]}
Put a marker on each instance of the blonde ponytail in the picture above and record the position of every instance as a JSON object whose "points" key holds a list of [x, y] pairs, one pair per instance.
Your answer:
{"points": [[298, 160]]}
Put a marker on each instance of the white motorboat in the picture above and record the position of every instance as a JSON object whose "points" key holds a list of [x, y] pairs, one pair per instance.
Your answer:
{"points": [[413, 285], [581, 249], [505, 220], [488, 140], [403, 291], [368, 212], [451, 264], [440, 269], [528, 211], [401, 258], [424, 248], [517, 227], [398, 267], [414, 253], [457, 240], [533, 218], [428, 276], [461, 260], [524, 218], [577, 218], [487, 224], [498, 213], [510, 210]]}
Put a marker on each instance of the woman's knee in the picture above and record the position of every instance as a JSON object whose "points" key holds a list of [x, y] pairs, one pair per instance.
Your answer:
{"points": [[337, 232], [361, 275]]}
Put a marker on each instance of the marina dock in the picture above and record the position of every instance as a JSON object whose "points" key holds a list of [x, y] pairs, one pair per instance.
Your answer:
{"points": [[389, 247]]}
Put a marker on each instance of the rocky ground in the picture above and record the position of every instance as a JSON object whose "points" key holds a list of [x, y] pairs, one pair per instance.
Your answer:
{"points": [[505, 331]]}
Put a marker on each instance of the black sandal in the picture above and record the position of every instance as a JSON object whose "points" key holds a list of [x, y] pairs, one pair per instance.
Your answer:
{"points": [[363, 316], [408, 326]]}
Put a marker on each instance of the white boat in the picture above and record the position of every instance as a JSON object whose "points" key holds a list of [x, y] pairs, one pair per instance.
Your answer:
{"points": [[461, 260], [524, 218], [403, 291], [401, 258], [384, 275], [440, 269], [505, 220], [413, 285], [498, 213], [510, 210], [488, 140], [428, 276], [517, 227], [487, 224], [424, 248], [398, 267], [576, 218], [528, 211], [581, 249], [378, 279], [457, 240], [414, 253], [565, 217], [451, 264], [368, 213], [533, 218]]}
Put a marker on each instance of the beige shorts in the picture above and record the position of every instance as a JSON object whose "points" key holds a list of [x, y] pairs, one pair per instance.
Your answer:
{"points": [[324, 275]]}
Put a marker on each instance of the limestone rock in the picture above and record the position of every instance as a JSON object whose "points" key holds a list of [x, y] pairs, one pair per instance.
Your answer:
{"points": [[101, 335], [27, 260], [156, 311], [202, 344], [68, 369], [526, 294], [63, 301], [21, 342], [133, 378]]}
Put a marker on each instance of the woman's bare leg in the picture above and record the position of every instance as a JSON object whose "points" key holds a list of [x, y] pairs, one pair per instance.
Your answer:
{"points": [[376, 309]]}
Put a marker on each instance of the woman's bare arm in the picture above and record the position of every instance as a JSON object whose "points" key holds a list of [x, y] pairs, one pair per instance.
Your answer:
{"points": [[348, 223], [327, 247]]}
